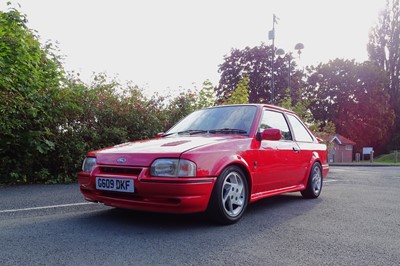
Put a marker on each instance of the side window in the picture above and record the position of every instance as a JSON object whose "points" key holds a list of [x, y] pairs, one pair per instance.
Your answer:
{"points": [[300, 132], [272, 119]]}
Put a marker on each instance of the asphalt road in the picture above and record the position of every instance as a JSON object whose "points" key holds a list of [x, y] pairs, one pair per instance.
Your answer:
{"points": [[355, 221]]}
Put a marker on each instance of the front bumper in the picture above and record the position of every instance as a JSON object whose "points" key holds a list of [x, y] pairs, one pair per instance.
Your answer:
{"points": [[171, 195]]}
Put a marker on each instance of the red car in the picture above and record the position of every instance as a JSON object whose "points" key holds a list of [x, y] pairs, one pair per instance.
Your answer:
{"points": [[217, 160]]}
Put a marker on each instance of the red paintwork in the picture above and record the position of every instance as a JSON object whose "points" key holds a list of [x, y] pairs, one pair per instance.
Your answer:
{"points": [[272, 167]]}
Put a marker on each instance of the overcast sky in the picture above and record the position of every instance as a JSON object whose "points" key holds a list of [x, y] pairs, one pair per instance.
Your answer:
{"points": [[165, 45]]}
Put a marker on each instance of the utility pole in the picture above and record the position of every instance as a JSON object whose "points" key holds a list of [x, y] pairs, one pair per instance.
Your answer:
{"points": [[271, 36]]}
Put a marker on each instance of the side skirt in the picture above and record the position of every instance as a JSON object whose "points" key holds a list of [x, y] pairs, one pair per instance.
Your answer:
{"points": [[265, 194]]}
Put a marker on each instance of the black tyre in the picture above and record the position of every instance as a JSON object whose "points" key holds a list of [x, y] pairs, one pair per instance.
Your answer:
{"points": [[229, 197], [314, 183]]}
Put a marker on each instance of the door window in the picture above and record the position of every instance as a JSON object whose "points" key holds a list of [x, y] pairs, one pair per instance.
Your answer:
{"points": [[272, 119], [300, 132]]}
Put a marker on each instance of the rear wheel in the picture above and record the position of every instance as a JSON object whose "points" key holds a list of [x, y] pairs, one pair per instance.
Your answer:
{"points": [[314, 184], [229, 197]]}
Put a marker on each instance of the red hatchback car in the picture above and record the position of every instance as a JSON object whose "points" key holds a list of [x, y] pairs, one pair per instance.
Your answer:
{"points": [[217, 160]]}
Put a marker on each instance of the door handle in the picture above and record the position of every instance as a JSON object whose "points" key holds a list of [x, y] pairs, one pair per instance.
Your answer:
{"points": [[296, 149]]}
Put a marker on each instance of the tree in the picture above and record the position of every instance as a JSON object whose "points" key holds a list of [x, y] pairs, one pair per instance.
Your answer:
{"points": [[241, 94], [206, 95], [384, 52], [29, 77], [256, 63], [353, 97], [180, 106]]}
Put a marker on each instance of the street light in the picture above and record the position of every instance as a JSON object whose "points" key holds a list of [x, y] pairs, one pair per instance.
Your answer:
{"points": [[299, 46]]}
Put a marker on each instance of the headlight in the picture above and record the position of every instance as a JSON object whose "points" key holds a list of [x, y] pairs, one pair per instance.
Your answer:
{"points": [[173, 168], [88, 164]]}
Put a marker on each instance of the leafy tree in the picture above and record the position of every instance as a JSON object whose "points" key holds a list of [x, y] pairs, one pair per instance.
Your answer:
{"points": [[384, 52], [180, 106], [353, 97], [241, 94], [206, 95], [29, 77], [256, 63]]}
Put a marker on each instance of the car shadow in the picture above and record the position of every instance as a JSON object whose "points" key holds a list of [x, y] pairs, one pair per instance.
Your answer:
{"points": [[272, 210], [287, 205], [152, 219]]}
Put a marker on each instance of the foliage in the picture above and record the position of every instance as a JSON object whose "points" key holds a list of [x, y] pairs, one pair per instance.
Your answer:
{"points": [[384, 52], [180, 106], [256, 63], [241, 94], [96, 116], [352, 96], [206, 97], [29, 77]]}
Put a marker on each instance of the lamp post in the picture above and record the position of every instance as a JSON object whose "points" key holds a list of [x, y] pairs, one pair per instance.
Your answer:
{"points": [[299, 46], [271, 36]]}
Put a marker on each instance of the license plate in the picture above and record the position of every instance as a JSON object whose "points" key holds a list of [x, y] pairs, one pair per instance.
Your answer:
{"points": [[115, 184]]}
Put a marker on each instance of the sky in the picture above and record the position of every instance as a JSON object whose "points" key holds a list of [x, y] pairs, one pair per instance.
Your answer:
{"points": [[168, 46]]}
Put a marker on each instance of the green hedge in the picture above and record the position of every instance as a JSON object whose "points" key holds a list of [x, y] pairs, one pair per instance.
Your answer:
{"points": [[79, 118]]}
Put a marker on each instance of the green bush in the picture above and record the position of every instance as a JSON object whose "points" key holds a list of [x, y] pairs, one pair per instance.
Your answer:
{"points": [[29, 77], [95, 117]]}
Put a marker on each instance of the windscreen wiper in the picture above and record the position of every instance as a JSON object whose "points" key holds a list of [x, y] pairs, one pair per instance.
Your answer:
{"points": [[189, 132], [227, 131]]}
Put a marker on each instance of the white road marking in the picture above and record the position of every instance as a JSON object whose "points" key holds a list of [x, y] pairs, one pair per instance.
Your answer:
{"points": [[46, 207], [330, 180], [84, 203]]}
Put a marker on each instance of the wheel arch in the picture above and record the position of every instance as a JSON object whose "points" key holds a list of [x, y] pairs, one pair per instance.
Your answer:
{"points": [[313, 188], [216, 209], [315, 158], [246, 172]]}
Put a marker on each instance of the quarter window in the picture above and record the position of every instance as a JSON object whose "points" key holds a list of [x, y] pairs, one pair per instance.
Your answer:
{"points": [[272, 119], [300, 132]]}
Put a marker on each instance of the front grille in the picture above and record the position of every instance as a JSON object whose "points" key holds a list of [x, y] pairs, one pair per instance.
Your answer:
{"points": [[120, 170], [136, 197]]}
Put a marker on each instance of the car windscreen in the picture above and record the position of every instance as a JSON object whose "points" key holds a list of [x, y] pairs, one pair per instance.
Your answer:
{"points": [[218, 118]]}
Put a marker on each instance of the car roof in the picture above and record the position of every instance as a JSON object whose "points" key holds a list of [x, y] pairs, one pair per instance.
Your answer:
{"points": [[260, 105]]}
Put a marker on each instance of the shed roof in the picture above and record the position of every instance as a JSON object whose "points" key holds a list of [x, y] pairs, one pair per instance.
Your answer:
{"points": [[342, 140]]}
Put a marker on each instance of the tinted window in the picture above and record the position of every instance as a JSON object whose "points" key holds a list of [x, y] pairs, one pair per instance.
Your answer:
{"points": [[300, 132], [272, 119]]}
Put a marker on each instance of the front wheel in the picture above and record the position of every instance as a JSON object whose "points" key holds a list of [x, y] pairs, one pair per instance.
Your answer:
{"points": [[229, 197], [314, 183]]}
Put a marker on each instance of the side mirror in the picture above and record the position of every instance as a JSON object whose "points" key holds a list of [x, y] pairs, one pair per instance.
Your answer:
{"points": [[271, 134], [159, 135]]}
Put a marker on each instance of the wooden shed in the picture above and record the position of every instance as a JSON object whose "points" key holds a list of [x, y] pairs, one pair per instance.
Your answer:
{"points": [[341, 149]]}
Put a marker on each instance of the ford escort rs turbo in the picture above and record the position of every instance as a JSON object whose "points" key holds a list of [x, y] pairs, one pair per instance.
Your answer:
{"points": [[216, 160]]}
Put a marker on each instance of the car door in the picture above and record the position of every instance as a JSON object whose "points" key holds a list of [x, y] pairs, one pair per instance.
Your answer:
{"points": [[278, 160]]}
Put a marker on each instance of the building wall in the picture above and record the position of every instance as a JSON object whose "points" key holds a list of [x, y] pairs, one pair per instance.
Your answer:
{"points": [[341, 153]]}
